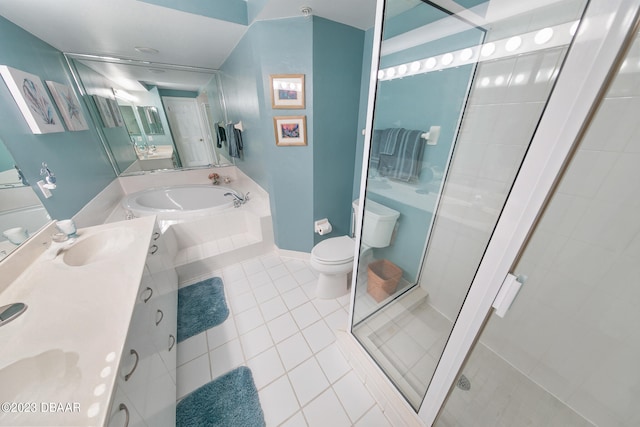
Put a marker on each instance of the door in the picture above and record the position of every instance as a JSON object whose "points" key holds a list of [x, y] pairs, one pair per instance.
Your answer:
{"points": [[513, 135], [187, 131]]}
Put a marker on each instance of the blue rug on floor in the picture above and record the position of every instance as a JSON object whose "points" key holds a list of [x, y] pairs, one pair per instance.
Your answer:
{"points": [[201, 306], [230, 400]]}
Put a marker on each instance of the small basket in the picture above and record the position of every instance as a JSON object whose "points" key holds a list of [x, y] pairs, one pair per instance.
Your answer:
{"points": [[383, 278]]}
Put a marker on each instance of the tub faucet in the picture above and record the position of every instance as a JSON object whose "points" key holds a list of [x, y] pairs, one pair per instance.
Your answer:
{"points": [[238, 198]]}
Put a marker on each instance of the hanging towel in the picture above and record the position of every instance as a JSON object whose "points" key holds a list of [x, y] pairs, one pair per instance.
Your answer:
{"points": [[405, 162], [235, 141], [221, 136], [389, 140]]}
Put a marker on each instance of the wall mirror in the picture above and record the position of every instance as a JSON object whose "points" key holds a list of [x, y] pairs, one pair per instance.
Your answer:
{"points": [[149, 137], [21, 212]]}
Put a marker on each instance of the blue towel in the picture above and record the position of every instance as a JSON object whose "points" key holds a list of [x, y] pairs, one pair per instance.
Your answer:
{"points": [[234, 137], [221, 136], [405, 161]]}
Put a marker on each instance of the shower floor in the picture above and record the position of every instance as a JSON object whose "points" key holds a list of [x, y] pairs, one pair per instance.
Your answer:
{"points": [[406, 339]]}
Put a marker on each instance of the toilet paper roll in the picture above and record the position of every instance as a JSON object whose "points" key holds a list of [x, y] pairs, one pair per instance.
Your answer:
{"points": [[323, 227]]}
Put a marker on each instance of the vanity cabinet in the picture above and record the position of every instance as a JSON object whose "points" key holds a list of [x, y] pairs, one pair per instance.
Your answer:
{"points": [[145, 393]]}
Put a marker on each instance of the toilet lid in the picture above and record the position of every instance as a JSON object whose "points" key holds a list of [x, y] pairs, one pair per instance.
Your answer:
{"points": [[334, 250]]}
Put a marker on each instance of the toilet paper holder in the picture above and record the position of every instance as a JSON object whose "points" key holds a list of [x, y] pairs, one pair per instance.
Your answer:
{"points": [[322, 226]]}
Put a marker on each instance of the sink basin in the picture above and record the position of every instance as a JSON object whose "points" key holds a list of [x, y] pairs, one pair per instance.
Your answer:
{"points": [[97, 247]]}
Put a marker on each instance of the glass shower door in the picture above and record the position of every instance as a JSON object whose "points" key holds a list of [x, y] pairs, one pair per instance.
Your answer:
{"points": [[473, 85]]}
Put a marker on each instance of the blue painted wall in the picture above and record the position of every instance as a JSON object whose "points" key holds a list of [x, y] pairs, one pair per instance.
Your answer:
{"points": [[292, 175], [337, 66], [77, 158]]}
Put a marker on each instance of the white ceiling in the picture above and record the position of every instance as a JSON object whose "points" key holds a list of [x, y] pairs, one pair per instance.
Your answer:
{"points": [[115, 27]]}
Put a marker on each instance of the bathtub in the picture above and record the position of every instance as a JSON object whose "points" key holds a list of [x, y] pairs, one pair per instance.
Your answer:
{"points": [[179, 203]]}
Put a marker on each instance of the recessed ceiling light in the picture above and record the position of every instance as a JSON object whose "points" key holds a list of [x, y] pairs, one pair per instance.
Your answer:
{"points": [[143, 49]]}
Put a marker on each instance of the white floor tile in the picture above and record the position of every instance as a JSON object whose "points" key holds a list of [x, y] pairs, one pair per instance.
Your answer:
{"points": [[285, 283], [273, 308], [294, 298], [308, 381], [353, 395], [293, 351], [338, 320], [236, 287], [305, 315], [265, 292], [373, 418], [191, 348], [233, 273], [225, 358], [242, 302], [278, 401], [270, 260], [326, 410], [295, 264], [256, 341], [318, 335], [326, 306], [252, 266], [304, 275], [296, 421], [222, 333], [333, 363], [248, 320], [266, 367], [258, 279], [282, 327], [192, 375], [278, 271]]}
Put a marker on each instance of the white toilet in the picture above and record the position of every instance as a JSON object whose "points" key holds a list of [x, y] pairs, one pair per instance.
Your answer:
{"points": [[333, 258]]}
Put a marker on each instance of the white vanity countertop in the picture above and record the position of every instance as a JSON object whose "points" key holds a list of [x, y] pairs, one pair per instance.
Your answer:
{"points": [[59, 359]]}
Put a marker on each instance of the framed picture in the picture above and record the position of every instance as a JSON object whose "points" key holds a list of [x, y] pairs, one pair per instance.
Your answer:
{"points": [[105, 112], [287, 91], [290, 130], [32, 99], [68, 105]]}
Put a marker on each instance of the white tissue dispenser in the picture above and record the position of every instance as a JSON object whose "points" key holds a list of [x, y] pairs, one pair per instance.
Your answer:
{"points": [[322, 226]]}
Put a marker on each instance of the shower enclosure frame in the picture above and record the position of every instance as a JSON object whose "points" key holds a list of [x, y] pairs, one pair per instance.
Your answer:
{"points": [[606, 31]]}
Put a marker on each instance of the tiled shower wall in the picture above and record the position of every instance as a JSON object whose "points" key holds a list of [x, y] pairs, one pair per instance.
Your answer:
{"points": [[573, 328]]}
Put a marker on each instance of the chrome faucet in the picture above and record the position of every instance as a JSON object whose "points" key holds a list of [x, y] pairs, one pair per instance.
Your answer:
{"points": [[238, 198]]}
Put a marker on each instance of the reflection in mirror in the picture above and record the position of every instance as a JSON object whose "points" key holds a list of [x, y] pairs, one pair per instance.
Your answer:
{"points": [[145, 139], [21, 213], [151, 122]]}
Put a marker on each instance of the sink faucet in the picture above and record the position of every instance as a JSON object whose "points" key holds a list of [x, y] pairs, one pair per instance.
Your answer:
{"points": [[238, 198]]}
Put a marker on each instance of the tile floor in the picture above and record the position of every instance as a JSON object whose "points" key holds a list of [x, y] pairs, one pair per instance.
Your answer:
{"points": [[285, 335]]}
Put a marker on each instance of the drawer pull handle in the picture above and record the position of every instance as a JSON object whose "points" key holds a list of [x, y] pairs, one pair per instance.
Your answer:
{"points": [[135, 365], [124, 408], [150, 294], [159, 319], [153, 249], [172, 342], [156, 235]]}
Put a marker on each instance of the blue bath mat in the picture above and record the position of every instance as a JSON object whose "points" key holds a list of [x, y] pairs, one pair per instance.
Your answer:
{"points": [[201, 306], [230, 400]]}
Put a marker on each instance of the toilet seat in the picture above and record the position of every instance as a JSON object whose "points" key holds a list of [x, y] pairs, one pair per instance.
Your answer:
{"points": [[336, 250]]}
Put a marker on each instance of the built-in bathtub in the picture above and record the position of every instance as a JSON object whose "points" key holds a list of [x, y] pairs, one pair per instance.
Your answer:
{"points": [[179, 203], [205, 230]]}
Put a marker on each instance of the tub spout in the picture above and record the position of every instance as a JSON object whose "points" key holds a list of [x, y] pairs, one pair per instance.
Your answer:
{"points": [[238, 198]]}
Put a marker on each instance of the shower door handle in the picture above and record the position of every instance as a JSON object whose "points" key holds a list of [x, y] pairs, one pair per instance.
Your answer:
{"points": [[508, 293]]}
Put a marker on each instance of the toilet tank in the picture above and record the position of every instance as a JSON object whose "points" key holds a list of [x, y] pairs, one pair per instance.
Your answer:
{"points": [[379, 222]]}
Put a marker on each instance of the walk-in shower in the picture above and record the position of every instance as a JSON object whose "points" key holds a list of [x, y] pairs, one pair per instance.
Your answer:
{"points": [[485, 74]]}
